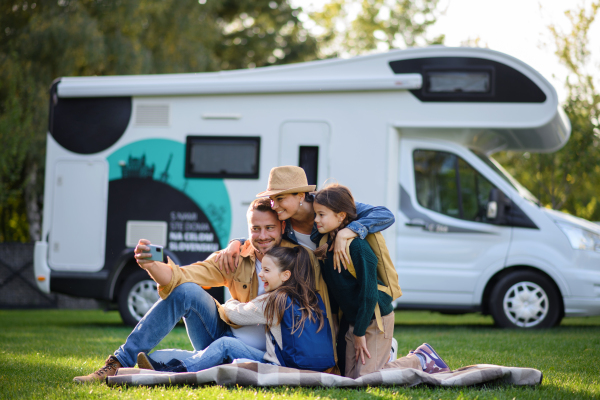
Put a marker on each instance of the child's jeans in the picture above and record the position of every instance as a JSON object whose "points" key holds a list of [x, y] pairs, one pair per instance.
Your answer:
{"points": [[222, 351]]}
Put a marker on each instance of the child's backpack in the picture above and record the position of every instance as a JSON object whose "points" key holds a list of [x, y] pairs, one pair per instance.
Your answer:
{"points": [[305, 348], [386, 271]]}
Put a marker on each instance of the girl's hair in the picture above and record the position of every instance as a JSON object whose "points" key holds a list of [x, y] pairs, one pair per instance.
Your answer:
{"points": [[338, 199], [300, 288]]}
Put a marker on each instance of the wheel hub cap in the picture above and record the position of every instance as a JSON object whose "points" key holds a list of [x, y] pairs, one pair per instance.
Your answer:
{"points": [[526, 304], [141, 298]]}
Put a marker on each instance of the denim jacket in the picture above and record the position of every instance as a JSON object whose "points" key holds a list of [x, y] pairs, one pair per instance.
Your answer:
{"points": [[369, 219]]}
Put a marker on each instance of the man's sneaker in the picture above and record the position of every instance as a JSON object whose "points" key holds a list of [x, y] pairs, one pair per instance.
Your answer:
{"points": [[145, 362], [394, 350], [111, 365], [433, 362]]}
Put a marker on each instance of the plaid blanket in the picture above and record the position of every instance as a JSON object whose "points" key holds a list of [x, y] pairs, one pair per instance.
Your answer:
{"points": [[256, 374]]}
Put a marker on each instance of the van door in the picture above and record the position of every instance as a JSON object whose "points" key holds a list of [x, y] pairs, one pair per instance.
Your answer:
{"points": [[444, 240], [306, 144], [78, 228]]}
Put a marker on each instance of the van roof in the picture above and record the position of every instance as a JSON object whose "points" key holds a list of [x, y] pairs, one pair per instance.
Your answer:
{"points": [[516, 108]]}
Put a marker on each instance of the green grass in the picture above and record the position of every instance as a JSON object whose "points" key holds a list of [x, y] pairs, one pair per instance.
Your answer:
{"points": [[41, 352]]}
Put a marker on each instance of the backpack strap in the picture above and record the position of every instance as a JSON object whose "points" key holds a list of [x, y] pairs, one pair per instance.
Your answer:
{"points": [[277, 350]]}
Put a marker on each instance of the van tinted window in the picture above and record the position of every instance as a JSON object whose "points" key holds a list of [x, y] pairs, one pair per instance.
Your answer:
{"points": [[447, 184], [222, 157]]}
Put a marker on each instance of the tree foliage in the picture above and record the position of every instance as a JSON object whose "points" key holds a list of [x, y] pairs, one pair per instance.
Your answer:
{"points": [[41, 41], [355, 28], [569, 179]]}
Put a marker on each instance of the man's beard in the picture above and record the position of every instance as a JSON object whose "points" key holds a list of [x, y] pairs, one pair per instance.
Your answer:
{"points": [[259, 251]]}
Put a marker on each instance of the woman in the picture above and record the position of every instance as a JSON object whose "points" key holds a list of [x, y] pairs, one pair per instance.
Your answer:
{"points": [[291, 198]]}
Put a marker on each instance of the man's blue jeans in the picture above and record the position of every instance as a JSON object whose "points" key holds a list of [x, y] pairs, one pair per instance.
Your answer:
{"points": [[188, 301], [222, 351]]}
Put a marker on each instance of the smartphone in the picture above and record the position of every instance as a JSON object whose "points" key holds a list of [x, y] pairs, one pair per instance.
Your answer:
{"points": [[156, 252]]}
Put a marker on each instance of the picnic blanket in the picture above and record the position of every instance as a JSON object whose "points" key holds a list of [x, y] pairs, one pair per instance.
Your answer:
{"points": [[257, 374]]}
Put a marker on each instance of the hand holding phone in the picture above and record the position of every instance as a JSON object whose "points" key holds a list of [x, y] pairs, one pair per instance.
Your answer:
{"points": [[156, 252]]}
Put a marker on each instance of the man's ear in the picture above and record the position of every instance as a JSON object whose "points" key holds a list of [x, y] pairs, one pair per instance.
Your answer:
{"points": [[283, 226], [285, 275]]}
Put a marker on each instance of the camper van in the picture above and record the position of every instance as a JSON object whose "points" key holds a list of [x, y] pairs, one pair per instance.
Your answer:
{"points": [[177, 159]]}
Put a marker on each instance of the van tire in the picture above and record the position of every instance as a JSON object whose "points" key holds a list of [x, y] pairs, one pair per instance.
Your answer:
{"points": [[525, 300], [137, 295]]}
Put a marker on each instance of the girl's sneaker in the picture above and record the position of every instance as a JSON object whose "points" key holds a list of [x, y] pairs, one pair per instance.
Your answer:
{"points": [[433, 362], [394, 350], [145, 362]]}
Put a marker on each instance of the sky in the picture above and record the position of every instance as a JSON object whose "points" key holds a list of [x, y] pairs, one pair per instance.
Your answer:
{"points": [[515, 27]]}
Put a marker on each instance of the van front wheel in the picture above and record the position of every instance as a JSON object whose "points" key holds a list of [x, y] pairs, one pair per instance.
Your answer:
{"points": [[137, 295], [526, 300]]}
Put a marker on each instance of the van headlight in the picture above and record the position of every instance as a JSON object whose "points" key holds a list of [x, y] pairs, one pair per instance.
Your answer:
{"points": [[579, 238]]}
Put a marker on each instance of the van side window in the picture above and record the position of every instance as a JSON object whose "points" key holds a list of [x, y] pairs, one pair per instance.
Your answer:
{"points": [[447, 184], [223, 157]]}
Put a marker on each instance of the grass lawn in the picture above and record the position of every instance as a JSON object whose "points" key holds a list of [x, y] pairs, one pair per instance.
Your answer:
{"points": [[41, 351]]}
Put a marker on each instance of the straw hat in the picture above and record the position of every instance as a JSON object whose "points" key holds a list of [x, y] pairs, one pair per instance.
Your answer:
{"points": [[287, 179]]}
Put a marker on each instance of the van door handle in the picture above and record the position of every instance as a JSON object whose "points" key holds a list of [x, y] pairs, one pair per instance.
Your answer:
{"points": [[416, 223]]}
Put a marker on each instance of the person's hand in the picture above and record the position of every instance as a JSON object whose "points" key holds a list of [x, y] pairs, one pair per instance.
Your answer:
{"points": [[340, 257], [228, 259], [360, 348], [142, 254]]}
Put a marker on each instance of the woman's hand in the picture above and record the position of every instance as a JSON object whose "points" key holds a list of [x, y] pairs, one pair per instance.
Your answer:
{"points": [[142, 254], [360, 348], [340, 257], [228, 259]]}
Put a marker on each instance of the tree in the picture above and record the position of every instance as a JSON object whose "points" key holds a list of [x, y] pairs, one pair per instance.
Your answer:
{"points": [[569, 179], [355, 28], [46, 40]]}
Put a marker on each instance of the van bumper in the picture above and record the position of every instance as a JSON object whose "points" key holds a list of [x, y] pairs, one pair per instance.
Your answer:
{"points": [[41, 270]]}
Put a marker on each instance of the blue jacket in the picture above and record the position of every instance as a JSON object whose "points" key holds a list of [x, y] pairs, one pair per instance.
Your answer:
{"points": [[369, 219]]}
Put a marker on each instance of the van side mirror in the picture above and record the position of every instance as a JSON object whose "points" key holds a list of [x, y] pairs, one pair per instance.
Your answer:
{"points": [[497, 206]]}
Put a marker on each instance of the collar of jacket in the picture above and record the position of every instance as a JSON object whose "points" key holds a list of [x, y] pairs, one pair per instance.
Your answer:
{"points": [[288, 233], [247, 250]]}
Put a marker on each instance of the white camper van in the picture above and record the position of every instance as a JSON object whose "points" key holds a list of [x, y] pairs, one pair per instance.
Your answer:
{"points": [[178, 158]]}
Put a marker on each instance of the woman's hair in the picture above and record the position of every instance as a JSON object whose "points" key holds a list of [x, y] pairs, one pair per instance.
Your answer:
{"points": [[338, 199], [308, 196], [300, 288]]}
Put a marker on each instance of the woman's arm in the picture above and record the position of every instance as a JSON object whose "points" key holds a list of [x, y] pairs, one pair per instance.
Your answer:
{"points": [[228, 258], [370, 219]]}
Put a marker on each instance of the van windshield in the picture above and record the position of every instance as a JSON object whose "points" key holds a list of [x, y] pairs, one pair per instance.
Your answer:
{"points": [[504, 174]]}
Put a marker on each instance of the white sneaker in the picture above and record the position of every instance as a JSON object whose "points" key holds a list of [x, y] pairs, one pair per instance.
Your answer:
{"points": [[394, 350]]}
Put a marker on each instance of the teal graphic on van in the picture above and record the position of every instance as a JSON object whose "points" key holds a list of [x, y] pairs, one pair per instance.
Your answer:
{"points": [[164, 160]]}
